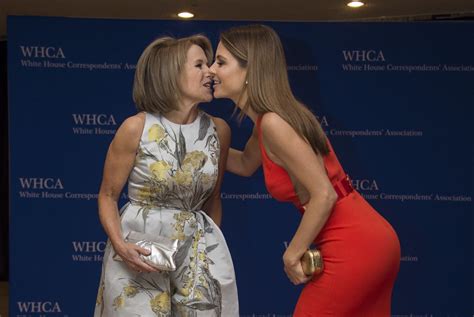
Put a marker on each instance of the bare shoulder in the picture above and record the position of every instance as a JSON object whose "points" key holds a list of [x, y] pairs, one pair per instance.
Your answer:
{"points": [[273, 125], [223, 129], [128, 135], [132, 127]]}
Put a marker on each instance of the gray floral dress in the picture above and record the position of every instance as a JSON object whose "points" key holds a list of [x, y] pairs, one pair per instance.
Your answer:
{"points": [[175, 171]]}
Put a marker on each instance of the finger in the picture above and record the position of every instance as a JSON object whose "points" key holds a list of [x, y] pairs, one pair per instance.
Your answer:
{"points": [[298, 277], [142, 250], [291, 275], [133, 267], [142, 266]]}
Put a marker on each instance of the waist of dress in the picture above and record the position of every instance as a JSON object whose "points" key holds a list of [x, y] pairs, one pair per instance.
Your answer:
{"points": [[161, 207]]}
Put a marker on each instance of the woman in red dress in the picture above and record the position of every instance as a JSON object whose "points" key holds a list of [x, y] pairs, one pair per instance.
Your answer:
{"points": [[360, 249]]}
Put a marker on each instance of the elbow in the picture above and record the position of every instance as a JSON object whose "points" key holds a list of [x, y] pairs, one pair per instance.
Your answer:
{"points": [[327, 198], [243, 172], [247, 173], [331, 197], [105, 198]]}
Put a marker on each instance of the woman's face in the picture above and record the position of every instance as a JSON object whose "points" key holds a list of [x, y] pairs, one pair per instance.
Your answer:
{"points": [[195, 78], [229, 76]]}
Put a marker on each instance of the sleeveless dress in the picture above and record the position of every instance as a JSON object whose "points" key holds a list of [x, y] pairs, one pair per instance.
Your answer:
{"points": [[360, 249], [175, 171]]}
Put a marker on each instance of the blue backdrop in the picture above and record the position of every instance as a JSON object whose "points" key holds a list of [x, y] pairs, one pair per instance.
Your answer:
{"points": [[395, 99]]}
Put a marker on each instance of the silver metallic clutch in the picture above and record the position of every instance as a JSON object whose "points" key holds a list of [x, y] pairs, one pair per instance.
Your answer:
{"points": [[162, 250]]}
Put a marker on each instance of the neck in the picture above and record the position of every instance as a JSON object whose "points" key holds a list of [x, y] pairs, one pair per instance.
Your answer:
{"points": [[184, 115], [252, 115], [240, 103]]}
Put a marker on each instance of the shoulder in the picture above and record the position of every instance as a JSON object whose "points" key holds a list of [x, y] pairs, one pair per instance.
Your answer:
{"points": [[132, 127], [272, 125], [221, 124], [223, 129]]}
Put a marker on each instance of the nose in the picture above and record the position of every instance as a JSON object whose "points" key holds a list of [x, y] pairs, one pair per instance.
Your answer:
{"points": [[212, 69], [208, 72]]}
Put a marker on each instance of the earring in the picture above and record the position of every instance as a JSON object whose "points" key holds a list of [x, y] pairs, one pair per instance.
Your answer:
{"points": [[246, 82]]}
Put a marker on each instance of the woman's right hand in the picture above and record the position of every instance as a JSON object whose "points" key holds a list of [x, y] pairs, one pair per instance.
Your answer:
{"points": [[130, 254]]}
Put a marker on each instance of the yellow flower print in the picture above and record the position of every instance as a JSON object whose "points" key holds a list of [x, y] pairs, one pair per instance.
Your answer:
{"points": [[160, 169], [179, 236], [184, 216], [203, 282], [185, 291], [183, 177], [196, 159], [207, 179], [130, 291], [198, 294], [156, 133], [145, 193], [100, 295], [161, 303], [202, 256], [119, 301]]}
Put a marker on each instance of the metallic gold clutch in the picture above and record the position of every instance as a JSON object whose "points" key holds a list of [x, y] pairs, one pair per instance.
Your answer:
{"points": [[312, 262], [162, 250]]}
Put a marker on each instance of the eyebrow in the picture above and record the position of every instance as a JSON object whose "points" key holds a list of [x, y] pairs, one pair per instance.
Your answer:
{"points": [[220, 57], [199, 61]]}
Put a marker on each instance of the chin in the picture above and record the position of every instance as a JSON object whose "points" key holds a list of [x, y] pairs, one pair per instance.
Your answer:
{"points": [[218, 95], [207, 98]]}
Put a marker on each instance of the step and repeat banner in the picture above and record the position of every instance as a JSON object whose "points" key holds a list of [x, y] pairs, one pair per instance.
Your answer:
{"points": [[395, 99]]}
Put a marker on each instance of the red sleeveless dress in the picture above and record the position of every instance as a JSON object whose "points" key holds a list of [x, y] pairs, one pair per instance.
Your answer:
{"points": [[360, 249]]}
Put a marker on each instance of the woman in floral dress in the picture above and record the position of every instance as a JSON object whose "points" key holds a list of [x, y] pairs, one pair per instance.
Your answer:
{"points": [[173, 155]]}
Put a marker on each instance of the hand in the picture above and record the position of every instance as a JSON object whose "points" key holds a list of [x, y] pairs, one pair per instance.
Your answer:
{"points": [[130, 254], [294, 270]]}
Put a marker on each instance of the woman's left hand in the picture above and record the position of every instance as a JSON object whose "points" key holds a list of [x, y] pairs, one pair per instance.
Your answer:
{"points": [[294, 270]]}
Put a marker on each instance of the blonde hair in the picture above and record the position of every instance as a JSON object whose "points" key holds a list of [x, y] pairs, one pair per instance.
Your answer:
{"points": [[156, 85], [258, 49]]}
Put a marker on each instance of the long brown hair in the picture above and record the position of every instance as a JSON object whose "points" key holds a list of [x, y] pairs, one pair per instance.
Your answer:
{"points": [[258, 49]]}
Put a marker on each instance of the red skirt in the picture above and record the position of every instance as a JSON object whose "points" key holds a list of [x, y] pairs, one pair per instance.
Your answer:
{"points": [[361, 255]]}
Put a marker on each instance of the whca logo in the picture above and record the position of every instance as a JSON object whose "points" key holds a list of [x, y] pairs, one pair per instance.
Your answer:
{"points": [[89, 246], [363, 56], [365, 184], [101, 119], [42, 52], [40, 183], [323, 121], [39, 307]]}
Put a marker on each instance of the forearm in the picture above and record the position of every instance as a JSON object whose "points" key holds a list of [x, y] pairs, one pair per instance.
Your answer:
{"points": [[315, 216], [214, 210], [110, 220], [235, 163]]}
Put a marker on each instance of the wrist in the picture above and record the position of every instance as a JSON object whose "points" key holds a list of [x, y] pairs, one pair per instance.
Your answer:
{"points": [[118, 245], [291, 258]]}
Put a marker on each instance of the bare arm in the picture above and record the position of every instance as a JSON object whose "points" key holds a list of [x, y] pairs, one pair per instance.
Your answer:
{"points": [[307, 168], [213, 205], [246, 162], [118, 164]]}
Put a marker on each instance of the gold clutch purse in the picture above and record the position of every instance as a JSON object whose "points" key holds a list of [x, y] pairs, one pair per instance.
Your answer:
{"points": [[312, 262]]}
